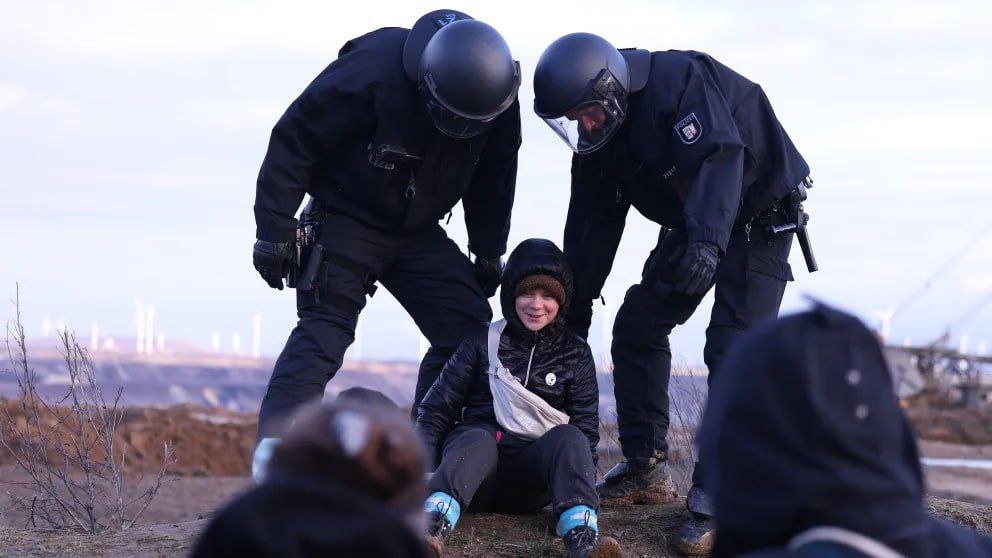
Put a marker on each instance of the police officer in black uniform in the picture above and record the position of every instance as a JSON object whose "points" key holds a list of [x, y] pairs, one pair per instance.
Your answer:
{"points": [[391, 135], [695, 147]]}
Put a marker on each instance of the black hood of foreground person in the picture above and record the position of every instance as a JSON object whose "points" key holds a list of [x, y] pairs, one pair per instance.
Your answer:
{"points": [[299, 516], [534, 256], [346, 480], [804, 430]]}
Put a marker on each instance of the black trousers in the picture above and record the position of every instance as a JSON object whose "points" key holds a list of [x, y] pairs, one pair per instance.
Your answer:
{"points": [[750, 282], [426, 272], [516, 475]]}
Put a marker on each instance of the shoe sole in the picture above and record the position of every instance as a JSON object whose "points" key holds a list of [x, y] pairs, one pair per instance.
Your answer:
{"points": [[652, 495]]}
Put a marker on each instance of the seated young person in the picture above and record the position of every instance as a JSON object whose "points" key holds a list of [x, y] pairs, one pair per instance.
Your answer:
{"points": [[511, 452], [811, 454]]}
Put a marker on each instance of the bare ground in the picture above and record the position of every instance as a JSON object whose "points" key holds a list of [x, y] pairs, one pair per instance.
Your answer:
{"points": [[214, 449], [643, 530]]}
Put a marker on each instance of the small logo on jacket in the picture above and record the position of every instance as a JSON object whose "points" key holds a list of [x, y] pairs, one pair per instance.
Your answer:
{"points": [[689, 129], [446, 19], [550, 379]]}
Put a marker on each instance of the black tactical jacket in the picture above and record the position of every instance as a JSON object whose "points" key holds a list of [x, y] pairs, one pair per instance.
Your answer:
{"points": [[461, 393], [699, 150], [329, 144]]}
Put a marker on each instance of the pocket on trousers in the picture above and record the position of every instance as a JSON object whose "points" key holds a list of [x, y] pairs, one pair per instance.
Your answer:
{"points": [[770, 265]]}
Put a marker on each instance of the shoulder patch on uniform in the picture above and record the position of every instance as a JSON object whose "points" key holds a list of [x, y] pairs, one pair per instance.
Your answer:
{"points": [[689, 129]]}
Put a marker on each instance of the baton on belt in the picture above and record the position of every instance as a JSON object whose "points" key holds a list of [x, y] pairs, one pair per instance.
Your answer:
{"points": [[799, 219]]}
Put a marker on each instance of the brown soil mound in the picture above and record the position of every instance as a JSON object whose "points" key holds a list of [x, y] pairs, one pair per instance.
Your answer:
{"points": [[210, 442], [960, 426]]}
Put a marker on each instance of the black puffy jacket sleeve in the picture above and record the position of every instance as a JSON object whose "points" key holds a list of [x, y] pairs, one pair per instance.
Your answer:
{"points": [[442, 406], [582, 400], [489, 200]]}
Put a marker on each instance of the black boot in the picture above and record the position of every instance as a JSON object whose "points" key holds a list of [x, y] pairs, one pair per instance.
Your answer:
{"points": [[580, 542], [696, 536], [437, 531], [583, 542], [644, 480]]}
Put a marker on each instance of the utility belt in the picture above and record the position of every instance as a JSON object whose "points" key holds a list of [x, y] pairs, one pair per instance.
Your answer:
{"points": [[786, 215], [310, 272]]}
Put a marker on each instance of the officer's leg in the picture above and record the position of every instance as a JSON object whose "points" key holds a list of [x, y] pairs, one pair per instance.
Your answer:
{"points": [[642, 359], [642, 356], [434, 282], [750, 283], [327, 321]]}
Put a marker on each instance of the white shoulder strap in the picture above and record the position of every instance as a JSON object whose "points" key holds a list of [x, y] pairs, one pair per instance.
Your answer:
{"points": [[495, 331], [857, 541]]}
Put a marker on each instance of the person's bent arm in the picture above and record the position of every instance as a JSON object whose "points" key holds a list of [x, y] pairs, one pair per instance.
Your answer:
{"points": [[582, 402], [595, 223], [443, 404], [312, 125]]}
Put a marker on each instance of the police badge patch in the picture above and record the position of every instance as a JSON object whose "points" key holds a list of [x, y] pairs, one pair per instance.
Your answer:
{"points": [[689, 129]]}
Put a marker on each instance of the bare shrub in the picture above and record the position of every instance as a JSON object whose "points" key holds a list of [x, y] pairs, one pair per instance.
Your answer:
{"points": [[687, 399], [68, 448]]}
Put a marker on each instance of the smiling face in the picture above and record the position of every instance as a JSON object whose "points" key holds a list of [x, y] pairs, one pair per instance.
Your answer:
{"points": [[536, 309]]}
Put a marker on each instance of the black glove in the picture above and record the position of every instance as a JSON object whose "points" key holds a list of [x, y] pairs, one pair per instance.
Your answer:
{"points": [[697, 268], [488, 271], [579, 317], [273, 260]]}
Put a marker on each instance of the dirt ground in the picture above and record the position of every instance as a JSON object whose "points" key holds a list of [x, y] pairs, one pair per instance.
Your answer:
{"points": [[212, 460], [643, 530]]}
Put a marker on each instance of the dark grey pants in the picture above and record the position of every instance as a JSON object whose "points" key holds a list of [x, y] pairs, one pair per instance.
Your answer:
{"points": [[515, 475], [427, 274]]}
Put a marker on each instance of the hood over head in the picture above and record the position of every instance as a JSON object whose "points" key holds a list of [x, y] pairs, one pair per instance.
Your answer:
{"points": [[534, 256], [803, 429]]}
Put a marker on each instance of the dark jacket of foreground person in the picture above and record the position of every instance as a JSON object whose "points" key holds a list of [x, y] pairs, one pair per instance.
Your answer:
{"points": [[464, 383], [346, 481], [804, 431]]}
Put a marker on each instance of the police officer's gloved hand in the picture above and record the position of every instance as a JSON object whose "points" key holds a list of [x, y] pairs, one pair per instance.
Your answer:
{"points": [[697, 269], [273, 261], [489, 271], [579, 317]]}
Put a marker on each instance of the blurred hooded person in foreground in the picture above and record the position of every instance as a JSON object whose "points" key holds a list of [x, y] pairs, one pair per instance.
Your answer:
{"points": [[811, 454], [347, 480]]}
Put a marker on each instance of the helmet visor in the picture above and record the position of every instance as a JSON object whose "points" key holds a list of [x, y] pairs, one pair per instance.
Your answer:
{"points": [[588, 126], [453, 125]]}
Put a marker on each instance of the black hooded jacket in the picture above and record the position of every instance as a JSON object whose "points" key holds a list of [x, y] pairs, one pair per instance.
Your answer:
{"points": [[699, 150], [804, 430], [461, 393], [300, 517], [329, 144]]}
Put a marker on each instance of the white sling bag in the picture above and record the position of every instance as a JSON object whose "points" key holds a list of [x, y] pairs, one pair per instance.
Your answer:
{"points": [[518, 410]]}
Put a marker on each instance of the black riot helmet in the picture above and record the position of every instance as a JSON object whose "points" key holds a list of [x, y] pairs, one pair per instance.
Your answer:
{"points": [[580, 89], [465, 72]]}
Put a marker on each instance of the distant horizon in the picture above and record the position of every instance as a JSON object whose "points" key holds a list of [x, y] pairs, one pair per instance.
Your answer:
{"points": [[131, 137]]}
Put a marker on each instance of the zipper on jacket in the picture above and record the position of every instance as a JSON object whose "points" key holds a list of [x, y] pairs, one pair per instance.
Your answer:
{"points": [[529, 361]]}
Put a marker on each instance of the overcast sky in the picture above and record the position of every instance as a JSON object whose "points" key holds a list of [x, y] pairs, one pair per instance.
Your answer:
{"points": [[131, 134]]}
